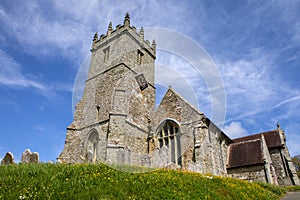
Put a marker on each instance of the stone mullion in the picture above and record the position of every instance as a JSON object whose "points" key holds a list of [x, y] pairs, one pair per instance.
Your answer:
{"points": [[163, 137], [175, 145], [169, 142]]}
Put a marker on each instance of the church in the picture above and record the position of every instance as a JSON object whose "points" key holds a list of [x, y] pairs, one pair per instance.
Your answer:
{"points": [[117, 122]]}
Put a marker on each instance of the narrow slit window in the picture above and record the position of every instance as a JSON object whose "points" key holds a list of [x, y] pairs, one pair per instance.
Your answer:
{"points": [[140, 56], [106, 54]]}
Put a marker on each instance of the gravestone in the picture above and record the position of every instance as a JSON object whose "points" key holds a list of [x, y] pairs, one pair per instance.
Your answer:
{"points": [[89, 156], [34, 157], [146, 160], [28, 157], [8, 159]]}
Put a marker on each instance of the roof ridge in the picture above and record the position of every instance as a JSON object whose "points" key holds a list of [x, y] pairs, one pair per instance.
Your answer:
{"points": [[256, 134]]}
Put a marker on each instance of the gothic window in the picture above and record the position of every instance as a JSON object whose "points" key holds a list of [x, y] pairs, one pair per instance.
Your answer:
{"points": [[106, 54], [169, 135], [140, 56], [91, 146]]}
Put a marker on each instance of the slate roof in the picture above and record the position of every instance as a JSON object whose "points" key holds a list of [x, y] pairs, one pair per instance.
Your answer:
{"points": [[245, 153], [248, 150], [272, 138]]}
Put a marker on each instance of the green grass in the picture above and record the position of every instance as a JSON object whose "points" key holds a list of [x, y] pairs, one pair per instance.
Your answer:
{"points": [[295, 188], [84, 181]]}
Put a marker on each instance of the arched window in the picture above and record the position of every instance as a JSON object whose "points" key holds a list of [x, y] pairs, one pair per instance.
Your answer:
{"points": [[92, 146], [168, 135]]}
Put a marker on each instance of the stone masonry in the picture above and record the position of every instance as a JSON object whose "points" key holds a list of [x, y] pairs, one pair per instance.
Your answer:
{"points": [[8, 159], [29, 157], [116, 121]]}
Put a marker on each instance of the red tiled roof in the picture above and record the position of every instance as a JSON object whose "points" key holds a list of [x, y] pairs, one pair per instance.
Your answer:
{"points": [[272, 138], [245, 153]]}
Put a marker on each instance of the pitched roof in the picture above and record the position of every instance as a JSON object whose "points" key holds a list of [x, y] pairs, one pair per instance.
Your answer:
{"points": [[173, 92], [245, 153], [272, 138]]}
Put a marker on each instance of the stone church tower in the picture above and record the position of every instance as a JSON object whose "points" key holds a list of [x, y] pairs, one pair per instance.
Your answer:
{"points": [[116, 121], [111, 122]]}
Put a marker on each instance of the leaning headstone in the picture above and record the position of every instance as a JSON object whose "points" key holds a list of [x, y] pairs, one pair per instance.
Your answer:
{"points": [[28, 157], [8, 159]]}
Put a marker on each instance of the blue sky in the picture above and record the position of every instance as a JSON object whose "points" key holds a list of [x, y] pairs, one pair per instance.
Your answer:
{"points": [[254, 44]]}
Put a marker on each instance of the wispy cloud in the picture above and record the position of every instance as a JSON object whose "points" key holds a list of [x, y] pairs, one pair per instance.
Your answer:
{"points": [[293, 139], [248, 40], [71, 30], [252, 86], [11, 74], [41, 34], [285, 101]]}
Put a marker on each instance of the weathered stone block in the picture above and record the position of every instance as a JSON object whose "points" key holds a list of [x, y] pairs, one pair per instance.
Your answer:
{"points": [[8, 159], [28, 157]]}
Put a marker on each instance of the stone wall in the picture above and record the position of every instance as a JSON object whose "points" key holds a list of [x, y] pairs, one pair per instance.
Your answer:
{"points": [[251, 173], [112, 95], [203, 145], [281, 167], [123, 45], [116, 121]]}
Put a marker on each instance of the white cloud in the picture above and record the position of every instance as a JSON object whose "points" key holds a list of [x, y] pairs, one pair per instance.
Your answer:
{"points": [[44, 28], [235, 130], [39, 33], [237, 39], [252, 86], [11, 75]]}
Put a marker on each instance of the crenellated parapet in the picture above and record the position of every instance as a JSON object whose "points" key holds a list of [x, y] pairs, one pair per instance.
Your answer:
{"points": [[111, 33]]}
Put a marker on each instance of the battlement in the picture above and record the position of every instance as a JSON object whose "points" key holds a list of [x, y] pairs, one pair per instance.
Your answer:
{"points": [[111, 33]]}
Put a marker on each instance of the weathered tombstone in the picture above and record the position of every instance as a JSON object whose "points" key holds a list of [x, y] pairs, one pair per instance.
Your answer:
{"points": [[164, 155], [8, 159], [160, 157], [146, 160], [195, 166], [89, 156], [28, 157], [34, 157], [121, 156], [127, 155]]}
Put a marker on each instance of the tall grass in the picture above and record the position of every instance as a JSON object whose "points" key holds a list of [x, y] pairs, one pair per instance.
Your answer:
{"points": [[84, 181]]}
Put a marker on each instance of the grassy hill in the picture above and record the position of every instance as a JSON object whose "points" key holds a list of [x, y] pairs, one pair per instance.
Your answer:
{"points": [[83, 181]]}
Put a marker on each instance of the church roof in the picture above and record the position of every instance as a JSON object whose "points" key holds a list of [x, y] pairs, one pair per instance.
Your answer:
{"points": [[245, 153], [272, 138], [171, 90], [248, 150], [190, 106]]}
